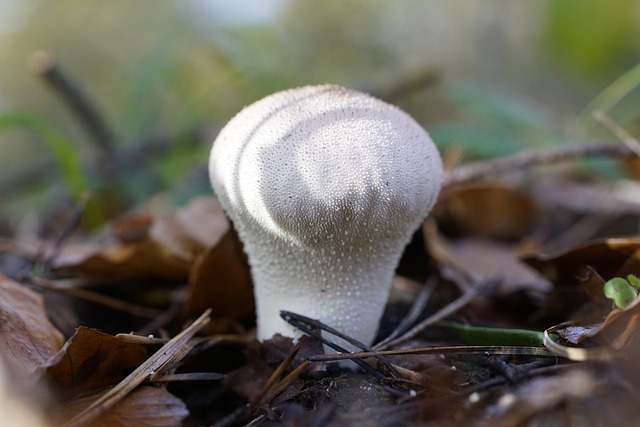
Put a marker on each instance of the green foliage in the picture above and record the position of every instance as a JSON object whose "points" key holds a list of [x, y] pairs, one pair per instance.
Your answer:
{"points": [[502, 109], [495, 124], [177, 67], [480, 335], [478, 141], [59, 147], [65, 155], [623, 292], [591, 37], [611, 96]]}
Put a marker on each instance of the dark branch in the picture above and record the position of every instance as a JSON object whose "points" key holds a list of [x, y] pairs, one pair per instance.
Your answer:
{"points": [[528, 159], [46, 66]]}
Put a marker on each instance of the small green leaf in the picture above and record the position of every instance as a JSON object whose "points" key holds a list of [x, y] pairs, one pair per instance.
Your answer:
{"points": [[478, 141], [620, 291], [59, 147], [62, 150], [633, 281], [500, 108]]}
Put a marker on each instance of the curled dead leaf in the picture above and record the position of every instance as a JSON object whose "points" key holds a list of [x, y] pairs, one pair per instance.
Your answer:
{"points": [[489, 211], [146, 406], [577, 274], [153, 248], [28, 338], [191, 230], [609, 257], [126, 261], [468, 261], [220, 279], [91, 360]]}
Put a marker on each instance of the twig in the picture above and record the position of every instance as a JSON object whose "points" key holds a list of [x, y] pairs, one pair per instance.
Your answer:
{"points": [[414, 313], [446, 311], [46, 65], [307, 325], [618, 131], [191, 376], [141, 151], [69, 227], [273, 387], [151, 368], [459, 349], [98, 298], [281, 385], [397, 89], [123, 160], [163, 318], [527, 159], [274, 377]]}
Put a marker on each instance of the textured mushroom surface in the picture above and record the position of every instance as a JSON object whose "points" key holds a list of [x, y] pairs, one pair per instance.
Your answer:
{"points": [[325, 186]]}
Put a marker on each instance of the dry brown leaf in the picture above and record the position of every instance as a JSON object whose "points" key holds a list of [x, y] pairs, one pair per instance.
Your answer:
{"points": [[578, 273], [132, 228], [618, 328], [147, 406], [609, 257], [28, 338], [593, 285], [191, 230], [144, 407], [163, 249], [632, 166], [165, 358], [140, 260], [91, 360], [220, 279], [492, 211], [585, 198], [476, 260]]}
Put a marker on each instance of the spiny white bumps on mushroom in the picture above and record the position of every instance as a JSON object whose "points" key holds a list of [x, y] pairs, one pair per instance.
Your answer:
{"points": [[325, 186]]}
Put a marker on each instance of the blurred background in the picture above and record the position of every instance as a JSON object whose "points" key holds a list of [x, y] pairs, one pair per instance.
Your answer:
{"points": [[121, 100]]}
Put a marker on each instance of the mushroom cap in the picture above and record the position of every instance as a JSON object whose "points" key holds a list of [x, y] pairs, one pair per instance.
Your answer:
{"points": [[325, 186]]}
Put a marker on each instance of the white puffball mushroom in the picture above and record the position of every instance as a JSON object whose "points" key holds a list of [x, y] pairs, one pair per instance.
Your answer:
{"points": [[325, 186]]}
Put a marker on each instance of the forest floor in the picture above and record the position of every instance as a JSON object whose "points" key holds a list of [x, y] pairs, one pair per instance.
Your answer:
{"points": [[514, 305]]}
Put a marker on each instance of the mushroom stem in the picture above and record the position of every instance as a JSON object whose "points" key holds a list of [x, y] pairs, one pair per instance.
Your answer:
{"points": [[343, 287]]}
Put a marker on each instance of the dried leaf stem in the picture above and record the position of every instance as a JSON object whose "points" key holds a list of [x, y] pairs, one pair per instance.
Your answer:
{"points": [[46, 65], [441, 314], [96, 297], [528, 159], [459, 349]]}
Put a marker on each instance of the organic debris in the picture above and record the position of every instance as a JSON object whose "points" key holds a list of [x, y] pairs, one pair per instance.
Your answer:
{"points": [[489, 328]]}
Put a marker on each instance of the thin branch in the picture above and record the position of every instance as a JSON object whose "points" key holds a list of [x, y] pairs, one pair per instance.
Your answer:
{"points": [[620, 132], [441, 314], [399, 88], [46, 65], [96, 297], [273, 380], [418, 306], [309, 327], [459, 349], [123, 160], [528, 159], [69, 227]]}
